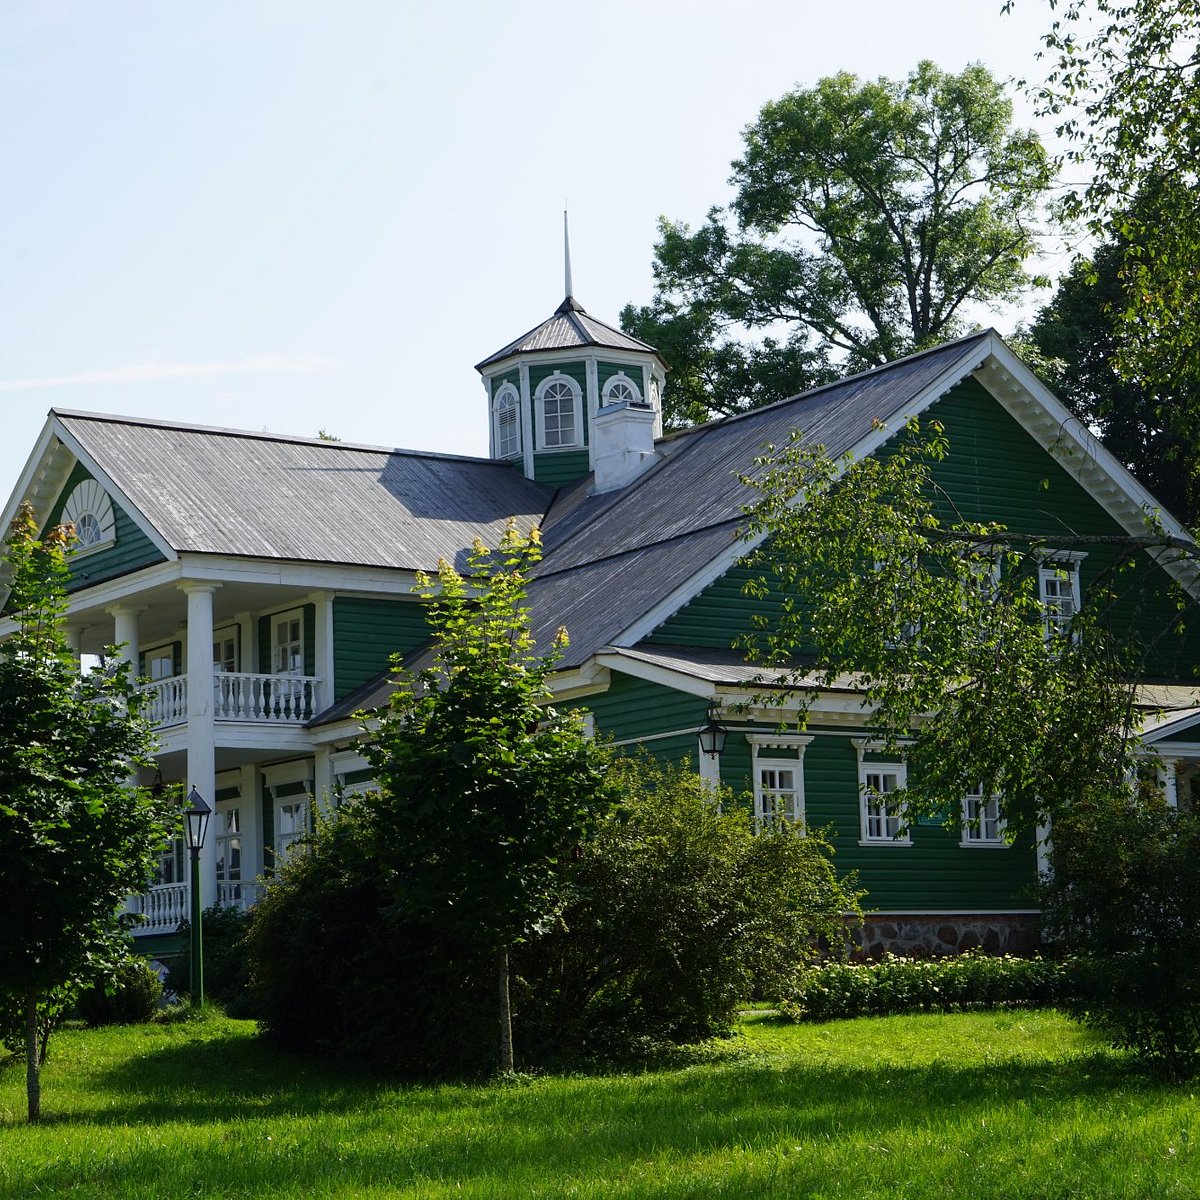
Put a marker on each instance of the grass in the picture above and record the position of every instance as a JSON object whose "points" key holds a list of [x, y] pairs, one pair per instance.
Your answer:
{"points": [[975, 1105]]}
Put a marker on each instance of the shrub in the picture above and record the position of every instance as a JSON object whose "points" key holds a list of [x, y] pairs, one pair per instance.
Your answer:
{"points": [[130, 995], [1124, 904], [226, 962], [676, 913], [903, 985], [336, 968]]}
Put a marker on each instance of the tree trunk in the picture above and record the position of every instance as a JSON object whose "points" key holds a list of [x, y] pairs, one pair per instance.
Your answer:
{"points": [[506, 1038], [33, 1083]]}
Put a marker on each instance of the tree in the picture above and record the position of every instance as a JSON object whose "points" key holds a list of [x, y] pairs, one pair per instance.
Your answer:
{"points": [[867, 217], [939, 622], [75, 837], [1124, 85], [485, 788], [1079, 333]]}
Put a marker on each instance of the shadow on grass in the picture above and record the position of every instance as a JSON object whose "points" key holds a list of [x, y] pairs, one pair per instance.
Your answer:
{"points": [[327, 1129]]}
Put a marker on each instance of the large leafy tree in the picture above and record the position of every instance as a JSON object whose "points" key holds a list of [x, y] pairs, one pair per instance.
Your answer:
{"points": [[484, 788], [75, 837], [938, 620], [1123, 83], [868, 217], [1079, 336]]}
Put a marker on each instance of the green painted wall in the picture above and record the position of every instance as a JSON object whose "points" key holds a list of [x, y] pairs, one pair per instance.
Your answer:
{"points": [[131, 551], [560, 467], [995, 471], [367, 632]]}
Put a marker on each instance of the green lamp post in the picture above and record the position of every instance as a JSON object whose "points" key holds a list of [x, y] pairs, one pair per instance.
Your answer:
{"points": [[196, 826]]}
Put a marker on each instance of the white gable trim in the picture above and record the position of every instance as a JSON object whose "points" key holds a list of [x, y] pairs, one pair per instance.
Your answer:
{"points": [[44, 449]]}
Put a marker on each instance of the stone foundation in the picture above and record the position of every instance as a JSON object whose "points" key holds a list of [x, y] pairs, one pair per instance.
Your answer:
{"points": [[923, 936]]}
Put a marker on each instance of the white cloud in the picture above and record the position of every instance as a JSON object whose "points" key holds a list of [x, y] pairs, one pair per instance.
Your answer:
{"points": [[148, 372]]}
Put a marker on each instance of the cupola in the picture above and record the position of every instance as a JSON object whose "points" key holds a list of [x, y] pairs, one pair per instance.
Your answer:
{"points": [[574, 396]]}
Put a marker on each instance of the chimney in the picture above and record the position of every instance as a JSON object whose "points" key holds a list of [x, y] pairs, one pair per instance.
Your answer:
{"points": [[622, 444]]}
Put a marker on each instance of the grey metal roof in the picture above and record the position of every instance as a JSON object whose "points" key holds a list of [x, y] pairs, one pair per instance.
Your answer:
{"points": [[570, 326], [220, 491], [612, 559]]}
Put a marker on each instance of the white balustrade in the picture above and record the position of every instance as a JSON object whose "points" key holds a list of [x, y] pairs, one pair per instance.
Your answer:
{"points": [[234, 893], [238, 696], [162, 908], [280, 699], [167, 703]]}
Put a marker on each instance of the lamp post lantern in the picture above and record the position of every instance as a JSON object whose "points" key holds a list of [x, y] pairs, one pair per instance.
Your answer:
{"points": [[195, 819], [712, 733]]}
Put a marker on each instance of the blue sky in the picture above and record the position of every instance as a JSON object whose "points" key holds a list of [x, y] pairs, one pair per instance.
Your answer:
{"points": [[296, 216]]}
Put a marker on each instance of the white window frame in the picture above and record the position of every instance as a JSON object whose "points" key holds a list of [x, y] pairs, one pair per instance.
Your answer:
{"points": [[283, 842], [231, 633], [611, 384], [868, 810], [277, 619], [1054, 566], [158, 654], [539, 407], [89, 508], [983, 830], [506, 400], [766, 809]]}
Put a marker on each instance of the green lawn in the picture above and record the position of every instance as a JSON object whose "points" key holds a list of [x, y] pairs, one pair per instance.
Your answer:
{"points": [[980, 1105]]}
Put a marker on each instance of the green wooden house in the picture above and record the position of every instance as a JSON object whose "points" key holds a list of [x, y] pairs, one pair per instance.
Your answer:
{"points": [[261, 583]]}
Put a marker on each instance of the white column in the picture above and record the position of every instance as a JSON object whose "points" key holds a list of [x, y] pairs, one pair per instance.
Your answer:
{"points": [[323, 781], [125, 631], [201, 730], [528, 424], [591, 405], [323, 637], [1168, 775]]}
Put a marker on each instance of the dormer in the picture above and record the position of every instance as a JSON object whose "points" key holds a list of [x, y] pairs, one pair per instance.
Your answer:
{"points": [[575, 395]]}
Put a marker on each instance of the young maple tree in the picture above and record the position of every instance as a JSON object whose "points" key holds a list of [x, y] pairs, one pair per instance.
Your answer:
{"points": [[76, 838], [484, 788]]}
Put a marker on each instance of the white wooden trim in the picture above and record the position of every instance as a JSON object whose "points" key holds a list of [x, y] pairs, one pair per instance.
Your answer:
{"points": [[539, 413]]}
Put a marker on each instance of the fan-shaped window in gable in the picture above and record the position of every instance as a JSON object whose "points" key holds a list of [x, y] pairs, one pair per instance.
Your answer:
{"points": [[90, 510], [506, 416], [559, 404], [621, 389]]}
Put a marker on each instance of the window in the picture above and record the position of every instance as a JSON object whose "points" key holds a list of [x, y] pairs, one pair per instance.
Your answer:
{"points": [[882, 818], [620, 389], [225, 657], [1058, 591], [287, 644], [982, 824], [559, 412], [778, 792], [507, 415], [229, 845], [90, 510], [169, 868], [778, 779], [290, 824], [160, 663]]}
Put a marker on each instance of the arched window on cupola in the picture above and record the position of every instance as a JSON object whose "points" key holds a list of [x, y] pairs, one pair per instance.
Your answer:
{"points": [[621, 389], [559, 405], [506, 422]]}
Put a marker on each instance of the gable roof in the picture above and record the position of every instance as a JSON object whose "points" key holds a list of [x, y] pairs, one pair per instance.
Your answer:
{"points": [[569, 327], [617, 565], [613, 560], [207, 490]]}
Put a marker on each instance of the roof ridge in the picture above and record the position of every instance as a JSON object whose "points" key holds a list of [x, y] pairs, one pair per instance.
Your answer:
{"points": [[73, 414], [728, 418]]}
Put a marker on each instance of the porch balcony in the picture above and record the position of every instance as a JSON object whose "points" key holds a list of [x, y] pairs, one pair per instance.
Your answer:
{"points": [[165, 905], [238, 696]]}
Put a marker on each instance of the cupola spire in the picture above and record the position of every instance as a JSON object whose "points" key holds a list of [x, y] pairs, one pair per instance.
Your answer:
{"points": [[569, 292]]}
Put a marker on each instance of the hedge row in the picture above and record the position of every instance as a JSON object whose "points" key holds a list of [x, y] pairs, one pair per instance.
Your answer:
{"points": [[904, 985]]}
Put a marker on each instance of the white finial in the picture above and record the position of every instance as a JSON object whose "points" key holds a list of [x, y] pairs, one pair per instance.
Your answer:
{"points": [[566, 252]]}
